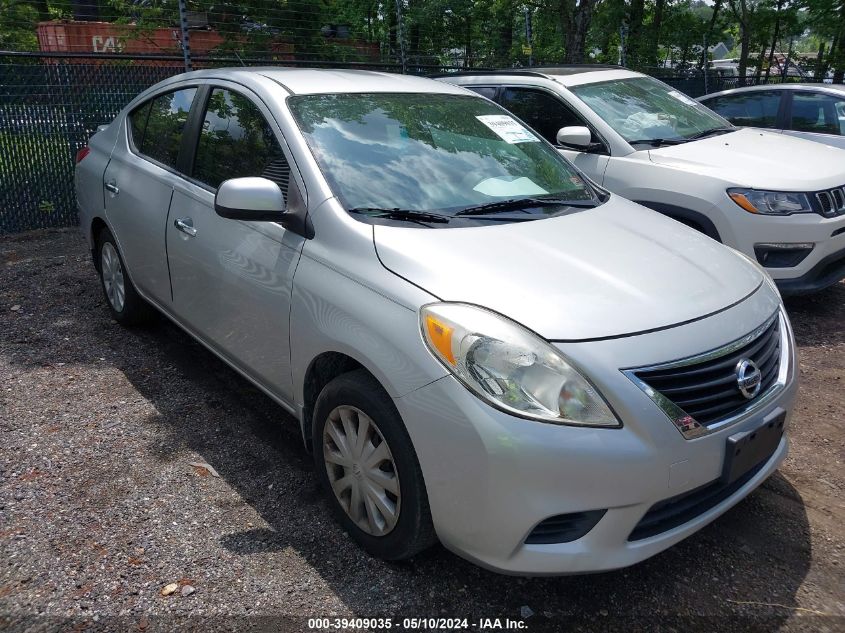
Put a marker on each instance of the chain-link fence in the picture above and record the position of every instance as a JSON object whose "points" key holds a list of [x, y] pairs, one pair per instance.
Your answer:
{"points": [[67, 66]]}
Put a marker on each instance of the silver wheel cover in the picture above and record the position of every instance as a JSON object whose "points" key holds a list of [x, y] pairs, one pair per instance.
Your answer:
{"points": [[361, 470], [112, 273]]}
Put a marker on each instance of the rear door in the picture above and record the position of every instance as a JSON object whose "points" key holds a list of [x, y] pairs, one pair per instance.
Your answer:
{"points": [[232, 280], [139, 182], [546, 112]]}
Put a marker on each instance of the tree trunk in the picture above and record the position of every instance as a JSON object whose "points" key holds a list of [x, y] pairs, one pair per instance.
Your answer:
{"points": [[838, 57], [392, 41], [717, 7], [468, 47], [744, 44], [504, 17], [635, 31], [819, 73], [759, 72], [743, 16], [576, 36], [774, 38], [659, 6]]}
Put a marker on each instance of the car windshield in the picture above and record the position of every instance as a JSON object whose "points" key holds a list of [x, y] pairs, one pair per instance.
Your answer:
{"points": [[432, 152], [643, 109]]}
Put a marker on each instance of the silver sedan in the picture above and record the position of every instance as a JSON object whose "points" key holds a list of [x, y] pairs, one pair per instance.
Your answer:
{"points": [[815, 112], [480, 344]]}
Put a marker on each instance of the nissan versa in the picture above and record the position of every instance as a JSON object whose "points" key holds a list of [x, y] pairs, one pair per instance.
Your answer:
{"points": [[481, 345]]}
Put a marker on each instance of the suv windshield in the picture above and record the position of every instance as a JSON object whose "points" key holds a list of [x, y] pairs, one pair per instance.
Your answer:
{"points": [[645, 110], [433, 152]]}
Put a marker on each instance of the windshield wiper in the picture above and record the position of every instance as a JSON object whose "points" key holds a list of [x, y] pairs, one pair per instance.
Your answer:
{"points": [[400, 214], [710, 132], [516, 203], [657, 142]]}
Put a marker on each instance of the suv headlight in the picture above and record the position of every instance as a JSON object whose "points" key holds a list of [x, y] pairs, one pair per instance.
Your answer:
{"points": [[510, 367], [771, 202]]}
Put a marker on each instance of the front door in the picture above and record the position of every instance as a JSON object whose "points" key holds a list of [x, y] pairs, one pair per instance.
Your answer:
{"points": [[546, 113], [139, 183], [232, 280]]}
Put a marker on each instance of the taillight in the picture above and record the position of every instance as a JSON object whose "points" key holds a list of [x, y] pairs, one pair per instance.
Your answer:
{"points": [[82, 153]]}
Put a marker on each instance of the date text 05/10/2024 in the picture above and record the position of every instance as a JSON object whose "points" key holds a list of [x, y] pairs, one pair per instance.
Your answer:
{"points": [[413, 624]]}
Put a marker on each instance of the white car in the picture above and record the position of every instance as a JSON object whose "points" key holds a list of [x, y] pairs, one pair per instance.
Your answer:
{"points": [[777, 199], [815, 112]]}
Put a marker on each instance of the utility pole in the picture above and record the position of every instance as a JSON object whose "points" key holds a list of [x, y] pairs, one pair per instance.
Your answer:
{"points": [[400, 35], [623, 35], [529, 48], [785, 70], [186, 40]]}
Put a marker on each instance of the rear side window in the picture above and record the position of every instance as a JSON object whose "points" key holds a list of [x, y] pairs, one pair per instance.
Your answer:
{"points": [[157, 126], [236, 141], [751, 109], [542, 111], [137, 123], [817, 113]]}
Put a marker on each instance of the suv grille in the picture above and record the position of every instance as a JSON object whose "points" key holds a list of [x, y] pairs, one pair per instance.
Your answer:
{"points": [[831, 202], [708, 391]]}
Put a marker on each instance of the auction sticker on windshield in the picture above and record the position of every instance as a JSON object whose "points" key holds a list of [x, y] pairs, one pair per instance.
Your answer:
{"points": [[507, 128], [680, 96]]}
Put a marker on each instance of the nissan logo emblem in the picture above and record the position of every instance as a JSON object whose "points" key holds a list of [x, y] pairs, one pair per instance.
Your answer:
{"points": [[748, 378]]}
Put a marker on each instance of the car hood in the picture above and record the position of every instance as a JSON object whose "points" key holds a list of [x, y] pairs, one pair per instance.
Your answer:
{"points": [[760, 160], [614, 270]]}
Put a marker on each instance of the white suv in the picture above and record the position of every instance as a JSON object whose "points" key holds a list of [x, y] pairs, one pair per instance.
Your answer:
{"points": [[779, 200]]}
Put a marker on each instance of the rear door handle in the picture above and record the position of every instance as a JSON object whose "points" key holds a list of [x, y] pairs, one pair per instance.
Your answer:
{"points": [[186, 225], [111, 185]]}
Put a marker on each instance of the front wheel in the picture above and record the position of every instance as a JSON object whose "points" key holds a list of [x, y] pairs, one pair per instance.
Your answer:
{"points": [[369, 469]]}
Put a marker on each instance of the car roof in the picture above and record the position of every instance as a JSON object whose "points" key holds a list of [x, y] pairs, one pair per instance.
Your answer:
{"points": [[837, 88], [568, 74], [328, 80]]}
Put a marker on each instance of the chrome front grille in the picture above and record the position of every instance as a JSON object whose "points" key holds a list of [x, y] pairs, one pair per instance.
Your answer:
{"points": [[832, 201], [703, 392]]}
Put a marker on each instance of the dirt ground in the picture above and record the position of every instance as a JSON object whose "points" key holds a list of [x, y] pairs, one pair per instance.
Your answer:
{"points": [[101, 505]]}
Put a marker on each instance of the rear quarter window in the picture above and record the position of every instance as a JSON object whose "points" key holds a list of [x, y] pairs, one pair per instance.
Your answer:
{"points": [[158, 133]]}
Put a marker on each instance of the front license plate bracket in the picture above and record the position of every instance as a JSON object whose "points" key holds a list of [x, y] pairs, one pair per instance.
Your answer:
{"points": [[747, 449]]}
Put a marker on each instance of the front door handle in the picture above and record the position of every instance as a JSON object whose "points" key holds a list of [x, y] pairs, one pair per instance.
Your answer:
{"points": [[186, 225], [111, 185]]}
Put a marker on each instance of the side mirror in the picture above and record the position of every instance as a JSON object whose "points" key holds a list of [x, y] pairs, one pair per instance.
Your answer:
{"points": [[255, 199], [574, 136]]}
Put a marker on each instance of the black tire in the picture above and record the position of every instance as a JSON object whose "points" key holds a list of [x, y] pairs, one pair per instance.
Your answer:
{"points": [[134, 310], [413, 531]]}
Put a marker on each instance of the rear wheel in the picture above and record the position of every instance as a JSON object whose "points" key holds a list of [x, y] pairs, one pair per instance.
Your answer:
{"points": [[369, 469], [126, 305]]}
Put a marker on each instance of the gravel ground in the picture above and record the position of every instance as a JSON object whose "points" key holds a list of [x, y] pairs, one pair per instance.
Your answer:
{"points": [[102, 505]]}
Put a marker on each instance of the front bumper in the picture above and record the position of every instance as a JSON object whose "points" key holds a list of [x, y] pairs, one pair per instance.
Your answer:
{"points": [[818, 269], [826, 272], [491, 478]]}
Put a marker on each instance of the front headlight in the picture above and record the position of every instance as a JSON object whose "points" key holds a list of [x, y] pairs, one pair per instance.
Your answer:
{"points": [[511, 367], [771, 202]]}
